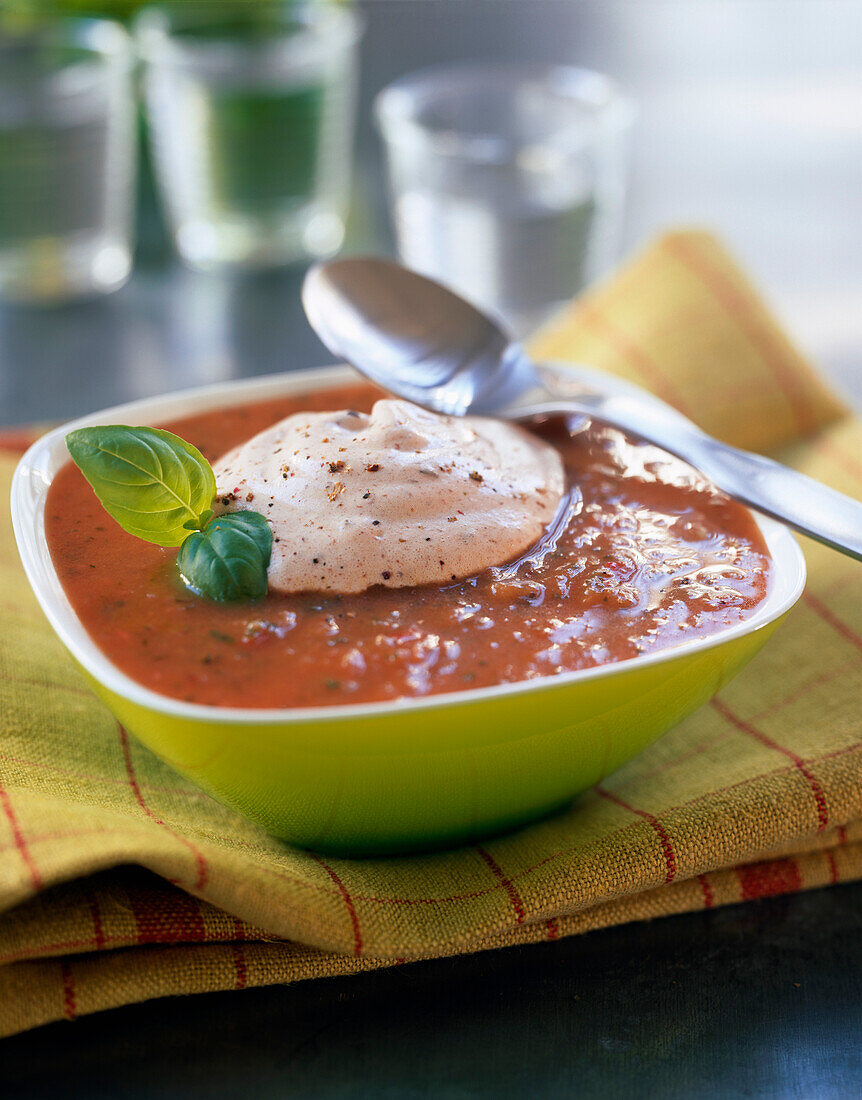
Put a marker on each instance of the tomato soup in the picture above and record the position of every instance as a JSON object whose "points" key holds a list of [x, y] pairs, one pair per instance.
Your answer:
{"points": [[643, 554]]}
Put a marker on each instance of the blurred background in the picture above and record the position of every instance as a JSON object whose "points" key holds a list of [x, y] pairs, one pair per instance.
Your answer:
{"points": [[260, 147]]}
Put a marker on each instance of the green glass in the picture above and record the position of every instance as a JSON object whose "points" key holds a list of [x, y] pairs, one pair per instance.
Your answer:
{"points": [[29, 187], [122, 10], [254, 169], [66, 159], [250, 110]]}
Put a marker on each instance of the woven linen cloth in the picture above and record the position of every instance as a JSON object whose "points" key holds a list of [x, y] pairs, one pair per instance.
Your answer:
{"points": [[120, 882]]}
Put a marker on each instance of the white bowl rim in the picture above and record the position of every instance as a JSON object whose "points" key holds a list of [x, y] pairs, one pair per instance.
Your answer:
{"points": [[35, 472]]}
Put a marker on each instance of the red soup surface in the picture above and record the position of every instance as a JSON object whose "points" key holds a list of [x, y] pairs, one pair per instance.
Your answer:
{"points": [[644, 555]]}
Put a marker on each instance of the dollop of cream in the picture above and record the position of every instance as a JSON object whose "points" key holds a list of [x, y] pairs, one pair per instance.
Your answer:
{"points": [[398, 497]]}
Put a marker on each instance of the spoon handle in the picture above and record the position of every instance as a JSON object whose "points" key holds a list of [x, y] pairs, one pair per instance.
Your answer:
{"points": [[807, 505]]}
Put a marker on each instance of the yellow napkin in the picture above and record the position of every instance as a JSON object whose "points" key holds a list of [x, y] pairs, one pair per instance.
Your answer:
{"points": [[759, 793]]}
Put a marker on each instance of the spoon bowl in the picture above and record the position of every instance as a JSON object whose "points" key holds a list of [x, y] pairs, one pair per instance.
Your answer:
{"points": [[409, 334]]}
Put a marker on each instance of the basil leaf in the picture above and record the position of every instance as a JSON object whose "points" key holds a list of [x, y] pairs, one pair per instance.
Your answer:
{"points": [[229, 558], [151, 482]]}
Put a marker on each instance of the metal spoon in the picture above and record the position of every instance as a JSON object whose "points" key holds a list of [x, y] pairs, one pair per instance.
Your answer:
{"points": [[424, 343]]}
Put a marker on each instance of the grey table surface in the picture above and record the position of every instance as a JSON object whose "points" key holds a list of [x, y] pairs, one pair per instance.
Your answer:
{"points": [[750, 123]]}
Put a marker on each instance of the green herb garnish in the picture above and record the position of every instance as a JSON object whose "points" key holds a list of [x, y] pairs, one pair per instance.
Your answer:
{"points": [[227, 560], [161, 489], [154, 484]]}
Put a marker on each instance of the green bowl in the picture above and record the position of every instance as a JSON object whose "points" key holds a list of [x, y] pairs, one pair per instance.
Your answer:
{"points": [[410, 774]]}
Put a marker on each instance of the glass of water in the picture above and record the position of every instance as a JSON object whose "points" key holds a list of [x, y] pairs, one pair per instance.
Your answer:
{"points": [[67, 160], [250, 108], [507, 181]]}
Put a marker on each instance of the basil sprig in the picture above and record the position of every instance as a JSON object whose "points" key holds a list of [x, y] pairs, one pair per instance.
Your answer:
{"points": [[160, 488], [151, 482], [227, 560]]}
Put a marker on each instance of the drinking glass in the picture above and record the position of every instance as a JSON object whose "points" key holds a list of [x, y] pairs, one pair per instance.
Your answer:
{"points": [[250, 108], [67, 159], [507, 181]]}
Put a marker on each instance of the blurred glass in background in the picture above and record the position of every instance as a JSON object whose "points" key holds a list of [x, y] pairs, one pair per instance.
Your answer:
{"points": [[92, 9], [507, 181], [67, 159], [250, 110]]}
